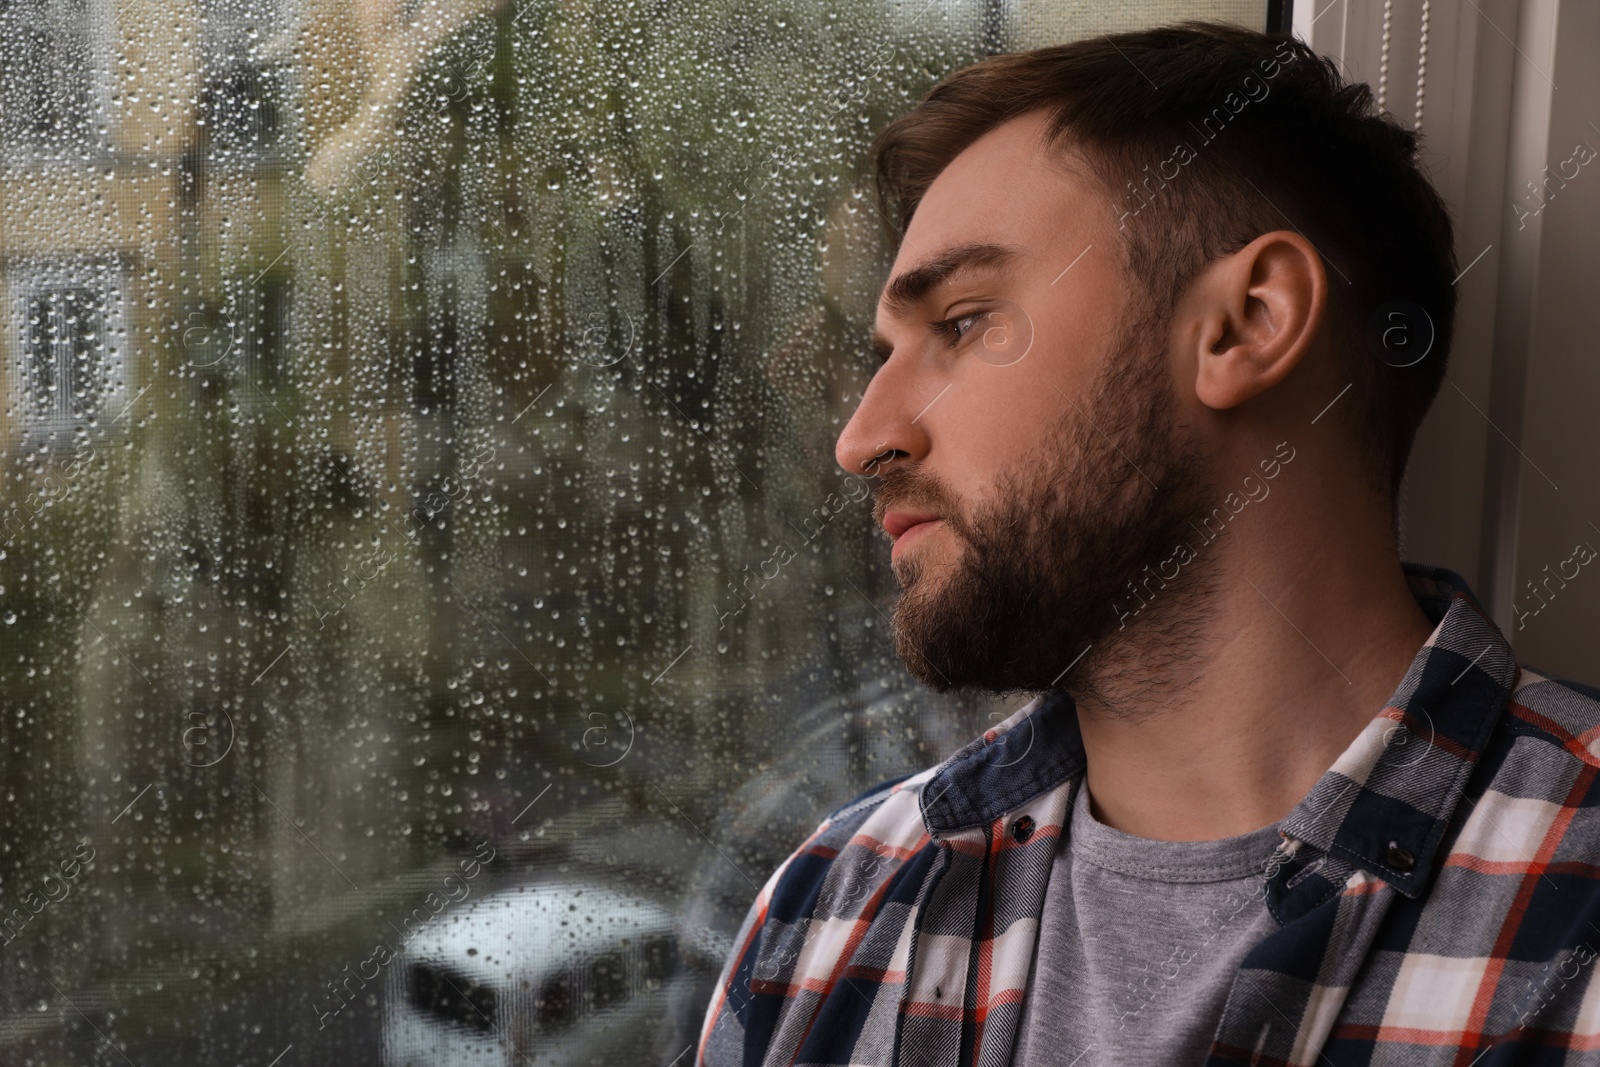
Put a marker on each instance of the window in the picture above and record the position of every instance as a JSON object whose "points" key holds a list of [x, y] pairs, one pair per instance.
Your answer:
{"points": [[660, 957], [451, 999], [246, 53], [242, 109], [68, 335], [53, 84], [556, 1008], [429, 608], [608, 981]]}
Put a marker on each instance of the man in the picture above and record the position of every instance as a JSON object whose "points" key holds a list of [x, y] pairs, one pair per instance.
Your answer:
{"points": [[1166, 312]]}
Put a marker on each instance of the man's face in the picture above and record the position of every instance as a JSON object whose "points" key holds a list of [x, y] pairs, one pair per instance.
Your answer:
{"points": [[1029, 456]]}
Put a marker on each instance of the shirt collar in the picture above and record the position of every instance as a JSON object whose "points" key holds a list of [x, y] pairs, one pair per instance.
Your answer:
{"points": [[1390, 795], [1034, 750], [1385, 803]]}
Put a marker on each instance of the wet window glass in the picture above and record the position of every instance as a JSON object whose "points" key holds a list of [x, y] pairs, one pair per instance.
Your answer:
{"points": [[429, 607]]}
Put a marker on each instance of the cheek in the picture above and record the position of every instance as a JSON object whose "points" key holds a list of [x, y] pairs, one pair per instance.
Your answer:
{"points": [[991, 431], [998, 417], [1016, 379]]}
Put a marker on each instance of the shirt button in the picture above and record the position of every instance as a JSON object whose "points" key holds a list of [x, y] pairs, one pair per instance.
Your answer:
{"points": [[1022, 829], [1399, 858]]}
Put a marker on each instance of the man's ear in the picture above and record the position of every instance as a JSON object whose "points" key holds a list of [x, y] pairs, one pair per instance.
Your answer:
{"points": [[1252, 315]]}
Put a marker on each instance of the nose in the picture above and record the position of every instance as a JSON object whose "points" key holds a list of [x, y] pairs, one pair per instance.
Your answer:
{"points": [[886, 427]]}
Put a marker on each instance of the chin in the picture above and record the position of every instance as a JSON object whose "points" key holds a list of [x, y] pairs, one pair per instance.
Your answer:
{"points": [[912, 570]]}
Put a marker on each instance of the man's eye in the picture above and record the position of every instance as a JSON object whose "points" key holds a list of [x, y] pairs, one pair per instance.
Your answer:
{"points": [[957, 328]]}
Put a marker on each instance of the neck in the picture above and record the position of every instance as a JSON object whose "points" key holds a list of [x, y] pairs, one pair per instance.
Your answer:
{"points": [[1220, 725]]}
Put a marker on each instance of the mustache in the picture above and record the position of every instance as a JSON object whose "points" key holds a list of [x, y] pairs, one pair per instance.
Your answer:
{"points": [[910, 489]]}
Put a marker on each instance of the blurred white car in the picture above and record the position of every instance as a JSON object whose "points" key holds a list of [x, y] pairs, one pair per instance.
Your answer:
{"points": [[551, 974]]}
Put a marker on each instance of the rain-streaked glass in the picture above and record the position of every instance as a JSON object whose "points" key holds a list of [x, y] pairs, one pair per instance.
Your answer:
{"points": [[429, 608]]}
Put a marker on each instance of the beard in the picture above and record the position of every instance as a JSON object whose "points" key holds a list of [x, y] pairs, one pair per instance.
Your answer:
{"points": [[1041, 593]]}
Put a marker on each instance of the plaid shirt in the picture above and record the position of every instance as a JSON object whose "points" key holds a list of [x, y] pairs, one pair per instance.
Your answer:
{"points": [[1437, 892]]}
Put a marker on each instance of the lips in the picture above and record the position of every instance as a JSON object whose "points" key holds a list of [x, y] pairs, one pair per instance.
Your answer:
{"points": [[896, 523]]}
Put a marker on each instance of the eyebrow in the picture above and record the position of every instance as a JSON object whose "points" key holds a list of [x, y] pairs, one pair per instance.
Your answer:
{"points": [[909, 288]]}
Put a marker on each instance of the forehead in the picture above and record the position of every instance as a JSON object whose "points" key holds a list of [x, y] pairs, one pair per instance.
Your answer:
{"points": [[1005, 188]]}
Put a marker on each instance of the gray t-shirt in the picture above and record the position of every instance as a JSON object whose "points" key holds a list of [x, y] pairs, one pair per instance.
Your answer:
{"points": [[1138, 945]]}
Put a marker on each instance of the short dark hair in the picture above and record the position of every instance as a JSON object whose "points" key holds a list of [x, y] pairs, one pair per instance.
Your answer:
{"points": [[1215, 135]]}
